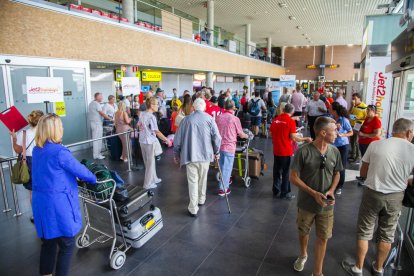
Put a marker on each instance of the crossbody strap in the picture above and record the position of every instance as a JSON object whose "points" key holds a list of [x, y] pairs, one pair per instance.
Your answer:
{"points": [[24, 146]]}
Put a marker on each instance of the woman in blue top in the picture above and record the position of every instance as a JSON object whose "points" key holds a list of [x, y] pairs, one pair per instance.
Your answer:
{"points": [[344, 130], [56, 208]]}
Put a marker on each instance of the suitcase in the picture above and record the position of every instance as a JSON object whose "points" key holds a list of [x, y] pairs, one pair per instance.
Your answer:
{"points": [[115, 147], [138, 198], [143, 229], [255, 163]]}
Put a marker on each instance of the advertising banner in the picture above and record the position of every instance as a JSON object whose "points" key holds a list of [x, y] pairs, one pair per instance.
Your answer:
{"points": [[288, 81], [130, 85], [379, 89], [44, 89], [275, 89]]}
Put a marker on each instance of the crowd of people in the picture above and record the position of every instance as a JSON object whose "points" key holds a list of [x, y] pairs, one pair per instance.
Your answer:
{"points": [[206, 128]]}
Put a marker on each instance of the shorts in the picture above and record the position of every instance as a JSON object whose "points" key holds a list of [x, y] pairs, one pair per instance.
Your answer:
{"points": [[323, 223], [256, 121], [384, 208]]}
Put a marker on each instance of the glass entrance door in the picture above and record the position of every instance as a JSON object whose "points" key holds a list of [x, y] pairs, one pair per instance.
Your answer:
{"points": [[75, 121]]}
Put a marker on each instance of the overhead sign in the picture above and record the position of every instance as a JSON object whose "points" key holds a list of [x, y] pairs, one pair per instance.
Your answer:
{"points": [[287, 81], [151, 76], [119, 75], [274, 88], [60, 109], [315, 66], [44, 89], [130, 85], [379, 90], [311, 66]]}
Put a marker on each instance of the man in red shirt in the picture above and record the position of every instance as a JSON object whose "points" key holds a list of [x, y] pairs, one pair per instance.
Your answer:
{"points": [[283, 132], [214, 109]]}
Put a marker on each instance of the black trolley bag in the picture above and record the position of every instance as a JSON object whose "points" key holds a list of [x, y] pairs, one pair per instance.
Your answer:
{"points": [[133, 208]]}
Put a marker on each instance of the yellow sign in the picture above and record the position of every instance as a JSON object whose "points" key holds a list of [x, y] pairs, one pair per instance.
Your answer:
{"points": [[60, 109], [138, 75], [119, 75], [151, 76]]}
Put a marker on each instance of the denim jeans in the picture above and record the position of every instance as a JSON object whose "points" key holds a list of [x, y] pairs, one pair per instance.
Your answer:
{"points": [[343, 150], [281, 182], [226, 165], [63, 248]]}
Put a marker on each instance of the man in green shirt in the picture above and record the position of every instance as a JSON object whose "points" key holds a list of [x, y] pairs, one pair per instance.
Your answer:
{"points": [[315, 171]]}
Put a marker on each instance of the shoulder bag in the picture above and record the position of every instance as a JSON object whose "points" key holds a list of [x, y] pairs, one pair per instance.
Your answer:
{"points": [[408, 200], [20, 170]]}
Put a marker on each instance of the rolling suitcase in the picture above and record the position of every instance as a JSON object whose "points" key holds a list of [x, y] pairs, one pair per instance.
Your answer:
{"points": [[143, 229], [137, 199]]}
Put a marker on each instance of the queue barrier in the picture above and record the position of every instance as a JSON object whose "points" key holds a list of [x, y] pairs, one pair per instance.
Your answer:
{"points": [[11, 160]]}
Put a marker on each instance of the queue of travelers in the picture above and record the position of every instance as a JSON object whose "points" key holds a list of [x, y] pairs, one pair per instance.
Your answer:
{"points": [[205, 133]]}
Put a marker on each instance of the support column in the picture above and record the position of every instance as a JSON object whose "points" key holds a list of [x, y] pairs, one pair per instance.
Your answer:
{"points": [[323, 59], [269, 49], [267, 79], [209, 79], [210, 21], [282, 56], [129, 72], [247, 83], [128, 10], [247, 39]]}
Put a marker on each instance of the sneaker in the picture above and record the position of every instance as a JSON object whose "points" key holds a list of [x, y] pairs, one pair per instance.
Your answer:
{"points": [[351, 268], [100, 157], [192, 215], [152, 186], [231, 180], [338, 191], [126, 160], [299, 264], [288, 197], [222, 193], [158, 180], [375, 272]]}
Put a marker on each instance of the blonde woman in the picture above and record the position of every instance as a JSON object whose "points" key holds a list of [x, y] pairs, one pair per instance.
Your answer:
{"points": [[148, 133], [56, 210], [122, 124]]}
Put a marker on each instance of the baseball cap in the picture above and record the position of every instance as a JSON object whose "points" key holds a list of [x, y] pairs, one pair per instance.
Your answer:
{"points": [[159, 90], [213, 99]]}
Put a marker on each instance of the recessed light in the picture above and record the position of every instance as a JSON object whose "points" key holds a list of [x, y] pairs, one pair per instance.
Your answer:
{"points": [[299, 27], [350, 45], [305, 34], [291, 17], [282, 5]]}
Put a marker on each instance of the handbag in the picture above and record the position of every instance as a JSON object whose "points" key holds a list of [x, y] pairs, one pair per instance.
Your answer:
{"points": [[158, 148], [408, 200], [20, 170]]}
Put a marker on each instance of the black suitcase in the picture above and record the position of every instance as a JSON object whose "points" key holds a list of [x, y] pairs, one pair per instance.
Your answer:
{"points": [[115, 147], [138, 198]]}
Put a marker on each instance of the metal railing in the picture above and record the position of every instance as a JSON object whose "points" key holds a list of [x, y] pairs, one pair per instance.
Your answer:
{"points": [[9, 161]]}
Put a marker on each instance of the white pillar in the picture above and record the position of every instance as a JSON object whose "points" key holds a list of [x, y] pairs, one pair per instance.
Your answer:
{"points": [[128, 10], [129, 72], [282, 56], [267, 79], [269, 48], [210, 20], [247, 39], [209, 79], [247, 83]]}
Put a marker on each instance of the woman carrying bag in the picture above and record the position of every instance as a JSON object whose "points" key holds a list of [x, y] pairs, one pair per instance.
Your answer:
{"points": [[148, 133], [122, 124], [23, 143]]}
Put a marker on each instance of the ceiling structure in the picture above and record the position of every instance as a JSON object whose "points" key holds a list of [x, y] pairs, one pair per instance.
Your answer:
{"points": [[289, 22]]}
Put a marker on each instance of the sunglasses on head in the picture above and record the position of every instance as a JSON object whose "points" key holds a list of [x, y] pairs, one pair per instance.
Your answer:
{"points": [[372, 107], [323, 162]]}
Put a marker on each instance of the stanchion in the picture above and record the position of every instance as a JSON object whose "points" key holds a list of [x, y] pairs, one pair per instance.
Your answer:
{"points": [[128, 141], [396, 265], [15, 199], [3, 187]]}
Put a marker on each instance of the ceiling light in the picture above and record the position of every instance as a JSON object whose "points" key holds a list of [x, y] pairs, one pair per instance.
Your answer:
{"points": [[100, 66], [299, 27], [291, 17], [282, 5], [305, 34], [307, 46], [350, 45]]}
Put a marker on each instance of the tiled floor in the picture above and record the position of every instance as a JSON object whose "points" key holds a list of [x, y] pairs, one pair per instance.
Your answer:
{"points": [[259, 237]]}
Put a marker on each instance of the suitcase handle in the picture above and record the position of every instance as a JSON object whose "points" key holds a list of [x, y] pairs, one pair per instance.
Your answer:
{"points": [[150, 193], [145, 219]]}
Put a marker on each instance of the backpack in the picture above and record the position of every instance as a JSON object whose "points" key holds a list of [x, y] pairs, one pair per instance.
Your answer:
{"points": [[254, 109]]}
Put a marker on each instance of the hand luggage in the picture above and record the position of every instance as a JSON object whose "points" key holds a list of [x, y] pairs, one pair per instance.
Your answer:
{"points": [[256, 163], [115, 147], [143, 229], [138, 198]]}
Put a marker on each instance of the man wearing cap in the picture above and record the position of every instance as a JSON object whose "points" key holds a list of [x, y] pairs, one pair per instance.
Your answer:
{"points": [[162, 109], [214, 109]]}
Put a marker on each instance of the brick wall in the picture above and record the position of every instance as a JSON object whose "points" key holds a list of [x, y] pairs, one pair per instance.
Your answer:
{"points": [[297, 58]]}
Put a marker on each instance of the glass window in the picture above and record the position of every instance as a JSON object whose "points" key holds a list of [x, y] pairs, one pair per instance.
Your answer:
{"points": [[409, 94]]}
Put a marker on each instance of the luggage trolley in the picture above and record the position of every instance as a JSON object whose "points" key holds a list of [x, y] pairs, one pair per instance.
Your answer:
{"points": [[100, 215], [242, 147]]}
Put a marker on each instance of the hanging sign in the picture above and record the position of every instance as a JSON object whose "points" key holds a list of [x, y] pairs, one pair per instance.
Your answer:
{"points": [[44, 89], [60, 109], [379, 90], [130, 85], [151, 76]]}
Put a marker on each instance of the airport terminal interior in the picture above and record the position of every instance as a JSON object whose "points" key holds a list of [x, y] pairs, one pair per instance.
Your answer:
{"points": [[207, 137]]}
